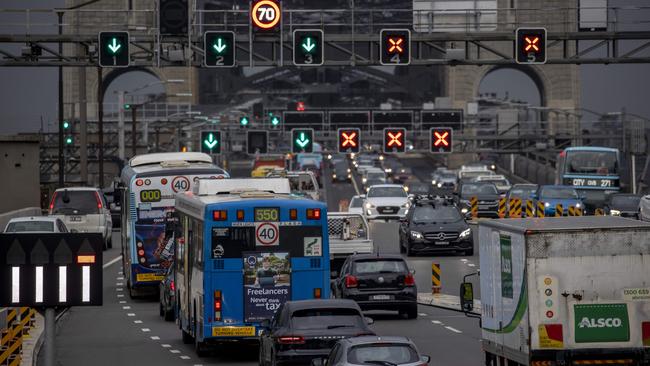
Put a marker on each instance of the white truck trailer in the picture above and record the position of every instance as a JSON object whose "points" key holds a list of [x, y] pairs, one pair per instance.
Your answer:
{"points": [[564, 291], [348, 234]]}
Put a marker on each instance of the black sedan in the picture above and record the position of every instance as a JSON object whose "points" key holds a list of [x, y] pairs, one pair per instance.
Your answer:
{"points": [[341, 172], [623, 204], [378, 282], [434, 226], [308, 329]]}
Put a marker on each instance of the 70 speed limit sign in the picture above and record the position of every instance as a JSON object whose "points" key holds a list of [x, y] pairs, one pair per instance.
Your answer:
{"points": [[265, 14], [267, 234]]}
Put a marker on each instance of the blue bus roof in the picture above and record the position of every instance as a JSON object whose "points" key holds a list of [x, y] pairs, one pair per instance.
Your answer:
{"points": [[591, 148]]}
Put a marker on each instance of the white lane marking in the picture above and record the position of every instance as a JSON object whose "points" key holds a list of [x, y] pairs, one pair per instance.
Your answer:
{"points": [[472, 265], [120, 278], [112, 261], [422, 314], [119, 284], [463, 260], [137, 321], [155, 338], [119, 289], [123, 302], [185, 357], [146, 330], [120, 295], [126, 307], [166, 345], [453, 329], [130, 314], [354, 184], [174, 351], [436, 322]]}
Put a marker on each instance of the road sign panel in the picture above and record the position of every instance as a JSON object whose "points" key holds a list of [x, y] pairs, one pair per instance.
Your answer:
{"points": [[211, 142], [302, 140], [257, 142], [267, 234], [349, 140], [114, 49], [530, 46], [441, 139], [394, 140], [219, 49], [265, 14], [395, 47], [308, 47]]}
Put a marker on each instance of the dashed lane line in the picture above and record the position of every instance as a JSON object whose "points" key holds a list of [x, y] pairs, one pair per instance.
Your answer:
{"points": [[438, 322], [453, 329], [166, 345], [146, 330], [112, 261], [185, 357], [155, 338], [174, 351]]}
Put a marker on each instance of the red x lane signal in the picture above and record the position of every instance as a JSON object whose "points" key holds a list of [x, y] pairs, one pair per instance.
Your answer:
{"points": [[349, 141], [531, 44], [442, 139], [395, 45], [530, 47], [394, 140]]}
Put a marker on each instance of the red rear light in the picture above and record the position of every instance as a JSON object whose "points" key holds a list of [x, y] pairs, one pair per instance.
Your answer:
{"points": [[409, 280], [218, 304], [292, 339], [52, 202], [313, 213], [99, 200], [351, 281], [172, 286], [220, 215], [139, 182], [140, 252]]}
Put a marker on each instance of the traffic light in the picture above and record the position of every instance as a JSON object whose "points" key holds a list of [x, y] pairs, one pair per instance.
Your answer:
{"points": [[349, 140], [258, 111], [530, 46], [114, 49], [243, 121], [394, 140], [308, 47], [257, 142], [275, 121], [395, 47], [219, 49], [172, 16], [442, 139], [211, 142], [68, 138], [302, 140]]}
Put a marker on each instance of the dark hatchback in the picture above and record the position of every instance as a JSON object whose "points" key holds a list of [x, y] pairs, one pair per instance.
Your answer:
{"points": [[378, 282], [435, 226], [308, 329], [486, 194], [341, 172], [623, 204]]}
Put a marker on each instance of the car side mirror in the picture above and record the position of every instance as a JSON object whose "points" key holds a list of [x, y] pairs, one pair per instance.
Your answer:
{"points": [[466, 297], [320, 361], [369, 321]]}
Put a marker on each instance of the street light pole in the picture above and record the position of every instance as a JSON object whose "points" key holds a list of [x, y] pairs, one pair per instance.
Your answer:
{"points": [[133, 130], [61, 157]]}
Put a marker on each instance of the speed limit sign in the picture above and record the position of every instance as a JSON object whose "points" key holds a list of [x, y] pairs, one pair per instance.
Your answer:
{"points": [[267, 234], [266, 14]]}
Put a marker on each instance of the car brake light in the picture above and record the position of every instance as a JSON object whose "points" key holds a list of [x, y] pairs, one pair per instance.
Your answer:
{"points": [[172, 286], [351, 281], [99, 200], [409, 280], [313, 214], [292, 339], [52, 203]]}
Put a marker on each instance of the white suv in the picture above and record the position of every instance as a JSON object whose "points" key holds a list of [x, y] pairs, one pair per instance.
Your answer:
{"points": [[83, 209], [386, 202]]}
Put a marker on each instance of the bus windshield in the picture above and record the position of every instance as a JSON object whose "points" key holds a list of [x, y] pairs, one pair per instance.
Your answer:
{"points": [[592, 162], [559, 192]]}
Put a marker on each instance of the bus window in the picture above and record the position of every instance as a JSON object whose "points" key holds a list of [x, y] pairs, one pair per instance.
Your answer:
{"points": [[591, 162]]}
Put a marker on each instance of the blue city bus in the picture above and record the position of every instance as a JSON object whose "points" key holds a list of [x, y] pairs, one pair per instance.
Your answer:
{"points": [[244, 247], [148, 185], [593, 171]]}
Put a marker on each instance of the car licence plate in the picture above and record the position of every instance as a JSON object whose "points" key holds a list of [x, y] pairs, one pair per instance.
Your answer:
{"points": [[441, 243], [233, 331], [381, 297], [75, 218]]}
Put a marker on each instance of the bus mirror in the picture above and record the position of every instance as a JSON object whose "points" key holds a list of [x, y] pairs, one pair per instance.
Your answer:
{"points": [[466, 297]]}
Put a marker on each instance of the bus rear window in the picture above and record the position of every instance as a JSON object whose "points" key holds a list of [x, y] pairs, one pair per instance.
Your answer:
{"points": [[298, 241]]}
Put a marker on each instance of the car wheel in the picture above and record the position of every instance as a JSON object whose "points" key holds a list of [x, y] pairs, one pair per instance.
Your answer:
{"points": [[408, 250], [200, 348], [412, 312]]}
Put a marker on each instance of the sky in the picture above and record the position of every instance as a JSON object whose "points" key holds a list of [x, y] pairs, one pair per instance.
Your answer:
{"points": [[29, 95]]}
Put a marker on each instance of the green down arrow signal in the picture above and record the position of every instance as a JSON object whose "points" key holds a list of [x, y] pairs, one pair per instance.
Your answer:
{"points": [[115, 46], [302, 141], [308, 44], [219, 46], [210, 142]]}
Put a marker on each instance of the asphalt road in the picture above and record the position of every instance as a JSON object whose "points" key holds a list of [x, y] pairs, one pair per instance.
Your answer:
{"points": [[130, 332]]}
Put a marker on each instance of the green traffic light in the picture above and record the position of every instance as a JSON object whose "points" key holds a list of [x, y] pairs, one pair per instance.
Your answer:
{"points": [[275, 121], [302, 140], [66, 125], [308, 44], [210, 142], [243, 121], [114, 46], [68, 140], [127, 106], [219, 45]]}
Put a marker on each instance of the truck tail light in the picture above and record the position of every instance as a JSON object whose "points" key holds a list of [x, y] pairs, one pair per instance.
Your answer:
{"points": [[291, 339], [409, 280], [313, 213], [218, 304], [240, 215], [351, 281]]}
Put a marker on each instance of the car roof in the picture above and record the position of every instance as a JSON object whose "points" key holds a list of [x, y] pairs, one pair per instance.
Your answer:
{"points": [[78, 189], [524, 185], [321, 304], [375, 256], [353, 341], [33, 218], [387, 186]]}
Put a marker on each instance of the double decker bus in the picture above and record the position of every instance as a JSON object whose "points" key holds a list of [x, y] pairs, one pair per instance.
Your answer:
{"points": [[148, 185], [244, 248], [593, 171]]}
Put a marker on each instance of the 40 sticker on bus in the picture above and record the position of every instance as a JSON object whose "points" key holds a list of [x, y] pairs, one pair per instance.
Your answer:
{"points": [[180, 184], [267, 234]]}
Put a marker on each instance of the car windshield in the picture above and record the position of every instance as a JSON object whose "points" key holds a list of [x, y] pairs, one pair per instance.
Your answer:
{"points": [[448, 176], [592, 162], [558, 192], [75, 203], [376, 175], [26, 226], [521, 192], [301, 183], [377, 265], [469, 189], [387, 192], [419, 188], [498, 182], [326, 318], [356, 202], [382, 354], [427, 214], [340, 169], [473, 174], [625, 201]]}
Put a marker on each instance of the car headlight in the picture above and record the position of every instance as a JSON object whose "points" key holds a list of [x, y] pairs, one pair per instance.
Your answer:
{"points": [[493, 167], [388, 170], [433, 182], [364, 180], [406, 205], [349, 176], [417, 235], [578, 205], [349, 170], [370, 205], [615, 212], [406, 189], [463, 210], [329, 157], [334, 176], [439, 185], [381, 157], [465, 233], [368, 212], [546, 204]]}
